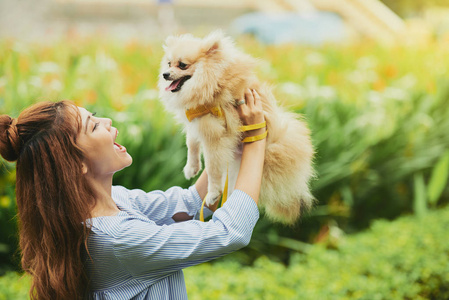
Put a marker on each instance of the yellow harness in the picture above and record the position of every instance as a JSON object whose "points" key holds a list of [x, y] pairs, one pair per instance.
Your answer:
{"points": [[202, 110]]}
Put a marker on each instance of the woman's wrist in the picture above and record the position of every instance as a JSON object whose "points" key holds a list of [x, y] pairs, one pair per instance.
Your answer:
{"points": [[254, 132], [250, 174], [258, 144]]}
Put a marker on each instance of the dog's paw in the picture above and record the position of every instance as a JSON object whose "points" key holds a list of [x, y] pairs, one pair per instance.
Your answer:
{"points": [[212, 197], [191, 171]]}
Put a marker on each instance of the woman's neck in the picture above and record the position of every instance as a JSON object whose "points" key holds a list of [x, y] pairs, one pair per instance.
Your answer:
{"points": [[105, 205]]}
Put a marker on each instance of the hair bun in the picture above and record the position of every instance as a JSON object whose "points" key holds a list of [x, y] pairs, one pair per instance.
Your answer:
{"points": [[9, 138]]}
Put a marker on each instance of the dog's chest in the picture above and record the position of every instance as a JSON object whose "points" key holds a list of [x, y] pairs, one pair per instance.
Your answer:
{"points": [[207, 128]]}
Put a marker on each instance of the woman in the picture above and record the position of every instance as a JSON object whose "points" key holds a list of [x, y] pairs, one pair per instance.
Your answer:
{"points": [[80, 237]]}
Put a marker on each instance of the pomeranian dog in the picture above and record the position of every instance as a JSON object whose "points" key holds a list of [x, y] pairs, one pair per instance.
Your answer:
{"points": [[199, 83]]}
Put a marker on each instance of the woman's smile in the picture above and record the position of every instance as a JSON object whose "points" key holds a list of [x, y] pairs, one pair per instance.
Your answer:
{"points": [[117, 146], [98, 140]]}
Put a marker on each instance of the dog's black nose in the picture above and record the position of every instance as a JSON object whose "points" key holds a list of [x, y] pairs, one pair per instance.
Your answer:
{"points": [[166, 76]]}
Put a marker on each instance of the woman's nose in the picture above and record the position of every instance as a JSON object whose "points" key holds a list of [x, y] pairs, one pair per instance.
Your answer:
{"points": [[108, 123]]}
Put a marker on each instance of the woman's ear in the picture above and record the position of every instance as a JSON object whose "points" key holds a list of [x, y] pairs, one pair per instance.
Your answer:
{"points": [[84, 168]]}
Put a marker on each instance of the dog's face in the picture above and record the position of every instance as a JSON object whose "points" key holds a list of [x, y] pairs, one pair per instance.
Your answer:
{"points": [[177, 74], [195, 71], [192, 68], [179, 63]]}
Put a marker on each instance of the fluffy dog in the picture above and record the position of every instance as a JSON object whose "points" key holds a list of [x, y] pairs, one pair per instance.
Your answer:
{"points": [[210, 74]]}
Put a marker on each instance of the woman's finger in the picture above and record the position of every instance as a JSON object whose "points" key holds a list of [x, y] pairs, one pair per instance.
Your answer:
{"points": [[257, 101], [240, 104], [249, 98], [240, 101]]}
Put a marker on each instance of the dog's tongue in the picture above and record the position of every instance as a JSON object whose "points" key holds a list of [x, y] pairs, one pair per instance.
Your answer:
{"points": [[173, 85]]}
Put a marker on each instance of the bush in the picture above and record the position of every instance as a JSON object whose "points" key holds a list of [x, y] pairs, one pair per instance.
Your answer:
{"points": [[8, 232], [404, 259], [380, 131], [378, 118], [14, 286]]}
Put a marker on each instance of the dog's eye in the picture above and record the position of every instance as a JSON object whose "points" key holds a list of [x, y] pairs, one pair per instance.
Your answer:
{"points": [[182, 65], [169, 64]]}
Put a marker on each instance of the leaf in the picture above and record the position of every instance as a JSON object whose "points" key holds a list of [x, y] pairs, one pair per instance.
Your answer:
{"points": [[438, 179], [4, 248], [419, 203]]}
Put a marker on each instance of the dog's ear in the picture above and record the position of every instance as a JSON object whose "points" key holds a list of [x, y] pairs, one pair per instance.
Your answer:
{"points": [[168, 42], [212, 42]]}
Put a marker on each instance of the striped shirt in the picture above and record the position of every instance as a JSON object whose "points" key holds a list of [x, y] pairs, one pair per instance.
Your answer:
{"points": [[140, 252]]}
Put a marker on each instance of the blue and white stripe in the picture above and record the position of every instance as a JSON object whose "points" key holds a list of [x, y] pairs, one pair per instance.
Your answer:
{"points": [[140, 252]]}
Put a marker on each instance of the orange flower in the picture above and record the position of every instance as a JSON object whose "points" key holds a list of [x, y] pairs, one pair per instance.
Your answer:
{"points": [[431, 87], [24, 64], [117, 104], [379, 85], [91, 96], [47, 78], [333, 78], [390, 71]]}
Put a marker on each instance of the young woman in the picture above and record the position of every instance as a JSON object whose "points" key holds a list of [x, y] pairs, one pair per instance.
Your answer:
{"points": [[81, 237]]}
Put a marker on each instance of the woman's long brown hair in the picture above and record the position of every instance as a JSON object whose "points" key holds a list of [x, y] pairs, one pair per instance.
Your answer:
{"points": [[53, 197]]}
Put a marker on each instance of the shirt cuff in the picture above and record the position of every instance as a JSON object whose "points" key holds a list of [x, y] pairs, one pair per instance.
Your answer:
{"points": [[240, 213], [239, 198], [240, 195]]}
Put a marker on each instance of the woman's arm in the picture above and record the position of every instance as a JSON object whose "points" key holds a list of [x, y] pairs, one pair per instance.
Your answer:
{"points": [[249, 178], [163, 207], [250, 174], [201, 184], [146, 248]]}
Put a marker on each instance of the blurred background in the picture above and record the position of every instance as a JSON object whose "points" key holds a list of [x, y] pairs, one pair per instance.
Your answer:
{"points": [[369, 77]]}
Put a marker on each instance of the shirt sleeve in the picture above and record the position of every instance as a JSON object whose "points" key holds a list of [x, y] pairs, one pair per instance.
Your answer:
{"points": [[160, 206], [146, 248]]}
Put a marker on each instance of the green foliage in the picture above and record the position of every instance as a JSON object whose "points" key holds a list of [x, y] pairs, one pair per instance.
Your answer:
{"points": [[438, 181], [156, 144], [407, 8], [118, 83], [420, 201], [14, 286], [8, 236], [378, 118], [405, 259]]}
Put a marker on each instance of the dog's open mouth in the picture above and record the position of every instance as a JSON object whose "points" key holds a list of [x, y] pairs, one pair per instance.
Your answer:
{"points": [[177, 84]]}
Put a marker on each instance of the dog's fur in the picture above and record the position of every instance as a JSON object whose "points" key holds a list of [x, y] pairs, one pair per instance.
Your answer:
{"points": [[219, 75]]}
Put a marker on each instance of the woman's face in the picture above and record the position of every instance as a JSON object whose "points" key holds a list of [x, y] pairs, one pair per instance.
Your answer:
{"points": [[97, 139]]}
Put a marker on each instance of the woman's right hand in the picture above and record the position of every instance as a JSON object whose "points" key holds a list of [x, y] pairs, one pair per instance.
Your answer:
{"points": [[251, 112], [250, 174]]}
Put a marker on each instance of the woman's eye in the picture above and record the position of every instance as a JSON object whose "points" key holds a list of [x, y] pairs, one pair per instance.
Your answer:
{"points": [[95, 126], [182, 65]]}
